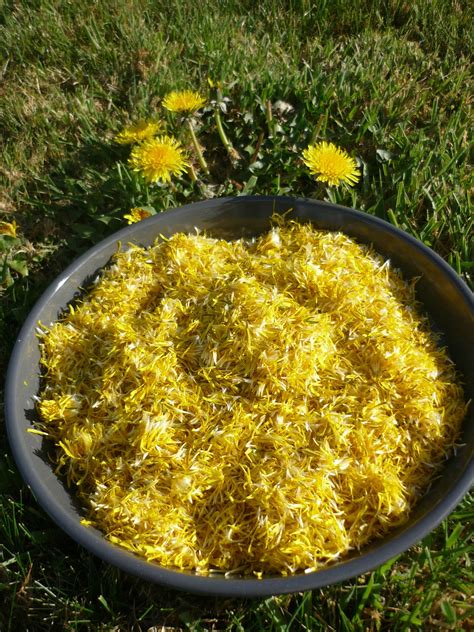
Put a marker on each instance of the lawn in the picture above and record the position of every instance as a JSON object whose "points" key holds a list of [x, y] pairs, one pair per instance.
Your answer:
{"points": [[387, 80]]}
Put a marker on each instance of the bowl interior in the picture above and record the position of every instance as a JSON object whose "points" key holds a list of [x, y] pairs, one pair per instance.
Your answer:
{"points": [[446, 299]]}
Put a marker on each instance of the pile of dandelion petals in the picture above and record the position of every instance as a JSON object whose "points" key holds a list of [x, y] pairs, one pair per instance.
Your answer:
{"points": [[250, 407]]}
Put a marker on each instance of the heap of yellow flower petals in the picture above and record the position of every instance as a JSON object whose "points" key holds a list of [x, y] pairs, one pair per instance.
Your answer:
{"points": [[257, 406]]}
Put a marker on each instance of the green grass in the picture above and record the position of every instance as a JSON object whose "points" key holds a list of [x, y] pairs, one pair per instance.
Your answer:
{"points": [[390, 81]]}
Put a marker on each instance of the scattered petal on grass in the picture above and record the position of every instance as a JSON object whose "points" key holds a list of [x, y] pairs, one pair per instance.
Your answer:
{"points": [[138, 132], [331, 164], [8, 228], [137, 214], [184, 101], [158, 159], [214, 84]]}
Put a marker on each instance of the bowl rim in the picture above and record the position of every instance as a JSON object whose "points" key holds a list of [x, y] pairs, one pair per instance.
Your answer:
{"points": [[218, 585]]}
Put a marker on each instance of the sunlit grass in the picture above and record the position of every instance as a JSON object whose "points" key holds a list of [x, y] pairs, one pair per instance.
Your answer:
{"points": [[390, 82]]}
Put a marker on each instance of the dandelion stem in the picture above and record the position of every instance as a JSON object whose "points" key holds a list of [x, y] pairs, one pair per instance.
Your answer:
{"points": [[192, 173], [254, 157], [233, 153], [269, 118], [200, 155], [317, 130]]}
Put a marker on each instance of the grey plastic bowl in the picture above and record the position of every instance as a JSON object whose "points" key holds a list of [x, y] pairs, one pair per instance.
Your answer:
{"points": [[446, 298]]}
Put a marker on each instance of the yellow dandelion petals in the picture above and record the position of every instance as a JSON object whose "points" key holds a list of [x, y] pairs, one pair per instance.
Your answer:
{"points": [[214, 84], [251, 407], [158, 159], [331, 164], [137, 214], [8, 228], [183, 101], [138, 132]]}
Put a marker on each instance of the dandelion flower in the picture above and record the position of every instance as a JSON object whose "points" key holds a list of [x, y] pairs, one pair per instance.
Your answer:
{"points": [[331, 164], [184, 101], [158, 159], [143, 130], [8, 228], [137, 214]]}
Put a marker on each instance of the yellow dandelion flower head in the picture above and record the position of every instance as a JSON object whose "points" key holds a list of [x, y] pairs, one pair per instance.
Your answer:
{"points": [[183, 101], [158, 159], [138, 132], [331, 164], [137, 214], [8, 228]]}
